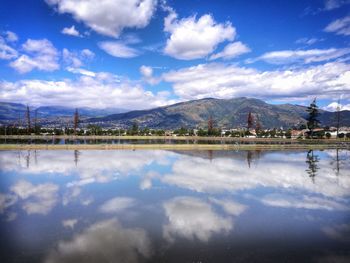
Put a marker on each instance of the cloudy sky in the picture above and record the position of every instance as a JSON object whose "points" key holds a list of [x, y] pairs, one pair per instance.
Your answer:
{"points": [[137, 54]]}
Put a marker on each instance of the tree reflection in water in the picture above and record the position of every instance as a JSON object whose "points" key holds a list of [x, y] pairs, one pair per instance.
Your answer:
{"points": [[312, 160]]}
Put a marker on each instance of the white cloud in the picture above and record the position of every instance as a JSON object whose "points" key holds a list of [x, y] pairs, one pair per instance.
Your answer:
{"points": [[333, 106], [101, 90], [192, 38], [147, 74], [340, 26], [69, 223], [226, 81], [71, 31], [7, 52], [87, 54], [229, 206], [77, 59], [7, 200], [304, 202], [301, 56], [308, 41], [334, 4], [81, 71], [146, 71], [71, 58], [106, 241], [192, 218], [11, 36], [108, 17], [118, 49], [229, 174], [39, 199], [232, 50], [41, 55], [117, 205]]}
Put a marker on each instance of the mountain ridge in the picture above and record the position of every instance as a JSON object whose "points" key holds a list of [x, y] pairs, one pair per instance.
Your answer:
{"points": [[226, 113]]}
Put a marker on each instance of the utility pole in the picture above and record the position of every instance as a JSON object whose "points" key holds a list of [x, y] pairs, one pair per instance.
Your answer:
{"points": [[35, 120], [76, 121], [28, 120], [338, 116]]}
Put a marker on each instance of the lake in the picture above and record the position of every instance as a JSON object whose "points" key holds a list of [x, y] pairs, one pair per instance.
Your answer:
{"points": [[174, 206]]}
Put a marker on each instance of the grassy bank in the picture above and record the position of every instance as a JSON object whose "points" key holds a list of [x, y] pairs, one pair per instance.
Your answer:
{"points": [[172, 146]]}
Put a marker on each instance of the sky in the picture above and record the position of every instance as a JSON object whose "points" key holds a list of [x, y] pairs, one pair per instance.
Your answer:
{"points": [[139, 54]]}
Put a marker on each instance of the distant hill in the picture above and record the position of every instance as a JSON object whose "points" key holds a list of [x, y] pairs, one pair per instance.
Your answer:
{"points": [[14, 111], [49, 111], [11, 111], [226, 113]]}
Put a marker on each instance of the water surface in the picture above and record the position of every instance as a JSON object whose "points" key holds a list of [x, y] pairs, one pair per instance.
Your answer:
{"points": [[175, 206]]}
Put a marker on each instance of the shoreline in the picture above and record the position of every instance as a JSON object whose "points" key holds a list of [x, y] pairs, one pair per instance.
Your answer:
{"points": [[6, 147], [176, 138]]}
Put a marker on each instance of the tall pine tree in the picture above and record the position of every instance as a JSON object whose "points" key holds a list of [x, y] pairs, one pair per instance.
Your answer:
{"points": [[312, 119]]}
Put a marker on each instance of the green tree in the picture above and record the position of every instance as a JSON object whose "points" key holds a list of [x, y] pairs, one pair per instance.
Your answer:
{"points": [[288, 134], [210, 125], [250, 121], [312, 119]]}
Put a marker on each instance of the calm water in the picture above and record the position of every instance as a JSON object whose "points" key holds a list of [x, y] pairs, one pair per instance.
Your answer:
{"points": [[165, 206]]}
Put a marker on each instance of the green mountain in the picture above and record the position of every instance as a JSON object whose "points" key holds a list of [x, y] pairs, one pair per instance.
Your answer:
{"points": [[15, 111], [226, 113], [11, 111]]}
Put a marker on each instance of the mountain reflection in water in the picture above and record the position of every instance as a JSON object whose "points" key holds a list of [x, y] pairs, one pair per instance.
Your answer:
{"points": [[174, 206]]}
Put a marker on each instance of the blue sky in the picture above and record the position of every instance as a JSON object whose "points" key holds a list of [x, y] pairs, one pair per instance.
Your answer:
{"points": [[140, 54]]}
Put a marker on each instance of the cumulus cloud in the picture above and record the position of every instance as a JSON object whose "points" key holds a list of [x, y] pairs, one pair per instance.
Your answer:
{"points": [[11, 36], [192, 38], [71, 31], [40, 55], [340, 26], [69, 223], [192, 218], [62, 163], [118, 49], [301, 56], [147, 75], [108, 17], [76, 59], [117, 204], [38, 199], [232, 50], [226, 81], [146, 71], [6, 51], [229, 206], [106, 241], [102, 90], [227, 174]]}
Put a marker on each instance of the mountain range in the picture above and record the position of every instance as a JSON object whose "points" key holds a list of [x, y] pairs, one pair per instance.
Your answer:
{"points": [[13, 111], [226, 113]]}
